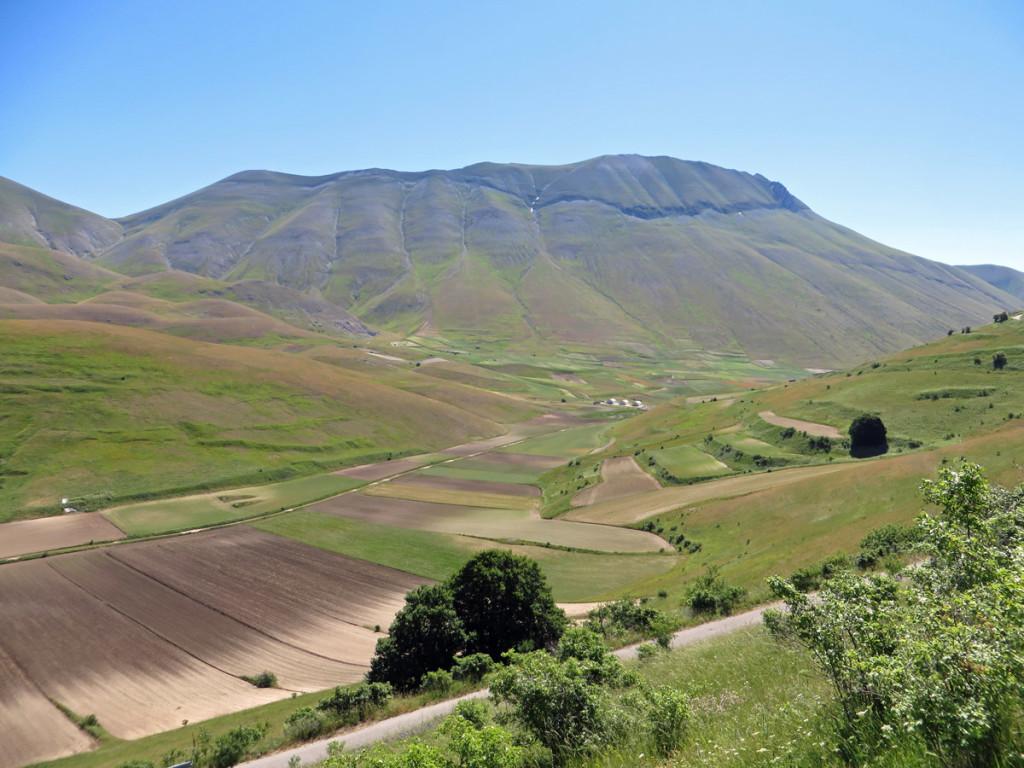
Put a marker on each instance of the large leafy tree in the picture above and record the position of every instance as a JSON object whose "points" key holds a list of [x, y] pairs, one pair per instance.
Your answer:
{"points": [[424, 636], [497, 601], [505, 602]]}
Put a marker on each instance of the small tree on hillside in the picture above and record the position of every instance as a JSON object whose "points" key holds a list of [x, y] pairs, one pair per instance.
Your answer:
{"points": [[999, 361], [867, 436]]}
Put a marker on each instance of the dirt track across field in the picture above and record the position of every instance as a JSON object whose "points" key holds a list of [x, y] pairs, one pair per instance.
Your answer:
{"points": [[818, 430], [421, 719]]}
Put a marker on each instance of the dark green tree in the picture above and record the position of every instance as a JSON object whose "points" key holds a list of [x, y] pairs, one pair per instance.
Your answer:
{"points": [[504, 602], [999, 361], [425, 635], [867, 436]]}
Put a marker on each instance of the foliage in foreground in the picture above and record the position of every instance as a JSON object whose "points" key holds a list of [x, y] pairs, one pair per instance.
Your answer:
{"points": [[554, 708], [934, 665]]}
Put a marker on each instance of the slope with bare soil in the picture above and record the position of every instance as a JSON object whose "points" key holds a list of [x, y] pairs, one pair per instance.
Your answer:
{"points": [[620, 477]]}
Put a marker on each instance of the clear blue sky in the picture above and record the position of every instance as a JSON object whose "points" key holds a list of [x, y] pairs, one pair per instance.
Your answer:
{"points": [[902, 120]]}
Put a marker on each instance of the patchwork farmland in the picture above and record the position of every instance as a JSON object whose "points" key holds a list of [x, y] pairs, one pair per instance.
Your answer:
{"points": [[146, 635]]}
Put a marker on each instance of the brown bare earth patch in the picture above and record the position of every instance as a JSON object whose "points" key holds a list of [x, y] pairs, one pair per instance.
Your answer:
{"points": [[818, 430], [569, 377], [24, 537], [468, 449], [94, 660], [523, 460], [620, 477], [471, 486], [636, 508], [382, 469], [401, 513], [499, 524], [41, 731], [146, 635]]}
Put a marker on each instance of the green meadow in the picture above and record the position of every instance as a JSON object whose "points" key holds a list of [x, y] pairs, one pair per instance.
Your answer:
{"points": [[203, 510], [574, 576]]}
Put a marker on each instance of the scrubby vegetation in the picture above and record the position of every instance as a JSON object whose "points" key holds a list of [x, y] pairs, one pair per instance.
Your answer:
{"points": [[929, 667]]}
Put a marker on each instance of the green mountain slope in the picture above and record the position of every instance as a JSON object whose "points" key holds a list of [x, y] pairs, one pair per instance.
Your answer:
{"points": [[30, 218], [648, 254], [1004, 278]]}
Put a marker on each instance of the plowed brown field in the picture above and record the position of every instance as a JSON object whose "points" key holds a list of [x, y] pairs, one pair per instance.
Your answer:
{"points": [[382, 469], [523, 460], [471, 486], [42, 732], [619, 477], [146, 635], [24, 537]]}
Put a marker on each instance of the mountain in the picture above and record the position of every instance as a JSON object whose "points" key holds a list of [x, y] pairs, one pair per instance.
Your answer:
{"points": [[30, 218], [640, 254], [1004, 278]]}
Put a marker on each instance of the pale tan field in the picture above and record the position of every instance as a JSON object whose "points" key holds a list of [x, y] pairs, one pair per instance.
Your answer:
{"points": [[620, 477], [23, 537], [818, 430], [506, 525], [469, 486], [522, 459]]}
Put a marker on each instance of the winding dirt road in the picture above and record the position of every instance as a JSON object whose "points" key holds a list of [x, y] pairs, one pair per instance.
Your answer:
{"points": [[421, 719]]}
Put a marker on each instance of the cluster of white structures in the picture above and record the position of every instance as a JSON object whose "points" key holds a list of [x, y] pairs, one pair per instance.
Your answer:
{"points": [[625, 402]]}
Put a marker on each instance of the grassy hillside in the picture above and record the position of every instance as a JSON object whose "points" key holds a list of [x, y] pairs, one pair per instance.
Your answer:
{"points": [[98, 413], [941, 401]]}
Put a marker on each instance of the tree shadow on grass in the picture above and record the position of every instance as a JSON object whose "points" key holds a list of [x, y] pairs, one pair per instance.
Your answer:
{"points": [[867, 451]]}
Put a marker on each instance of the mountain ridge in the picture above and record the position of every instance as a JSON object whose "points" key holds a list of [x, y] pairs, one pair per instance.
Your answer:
{"points": [[620, 251]]}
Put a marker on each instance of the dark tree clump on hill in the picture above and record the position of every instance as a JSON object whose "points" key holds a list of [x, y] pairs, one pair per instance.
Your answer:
{"points": [[496, 602], [999, 361], [867, 436]]}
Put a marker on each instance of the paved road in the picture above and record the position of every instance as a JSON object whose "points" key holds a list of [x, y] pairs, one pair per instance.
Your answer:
{"points": [[421, 719]]}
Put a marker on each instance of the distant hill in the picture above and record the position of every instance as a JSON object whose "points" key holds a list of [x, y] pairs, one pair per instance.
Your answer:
{"points": [[625, 253], [1004, 278]]}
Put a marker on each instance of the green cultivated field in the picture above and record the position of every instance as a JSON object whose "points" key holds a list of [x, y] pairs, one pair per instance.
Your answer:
{"points": [[688, 461], [574, 576], [577, 441], [207, 509], [462, 471]]}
